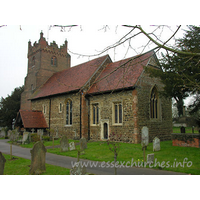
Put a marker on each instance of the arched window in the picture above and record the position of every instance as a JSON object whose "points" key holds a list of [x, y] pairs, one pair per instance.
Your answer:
{"points": [[54, 61], [69, 112], [154, 104]]}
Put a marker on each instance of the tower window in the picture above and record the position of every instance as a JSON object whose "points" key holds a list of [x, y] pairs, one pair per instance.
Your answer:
{"points": [[54, 61]]}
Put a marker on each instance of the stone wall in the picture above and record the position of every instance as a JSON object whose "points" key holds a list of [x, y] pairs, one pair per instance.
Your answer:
{"points": [[57, 117], [106, 115], [161, 127]]}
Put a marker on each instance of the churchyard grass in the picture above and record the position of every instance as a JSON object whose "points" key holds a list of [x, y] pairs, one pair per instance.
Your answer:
{"points": [[99, 151], [187, 130], [21, 166]]}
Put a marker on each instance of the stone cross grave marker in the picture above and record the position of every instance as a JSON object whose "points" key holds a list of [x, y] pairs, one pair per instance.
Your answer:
{"points": [[64, 144], [38, 156], [145, 136], [2, 163], [83, 144], [72, 146], [150, 158], [156, 144]]}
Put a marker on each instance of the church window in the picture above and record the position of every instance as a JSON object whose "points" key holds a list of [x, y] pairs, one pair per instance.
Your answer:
{"points": [[154, 104], [95, 114], [60, 108], [44, 109], [117, 111], [69, 112], [54, 61]]}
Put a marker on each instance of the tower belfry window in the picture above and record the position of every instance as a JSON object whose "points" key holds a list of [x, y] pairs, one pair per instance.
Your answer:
{"points": [[54, 61]]}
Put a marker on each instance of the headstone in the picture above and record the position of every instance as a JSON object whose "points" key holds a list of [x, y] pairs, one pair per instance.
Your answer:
{"points": [[182, 129], [64, 144], [26, 138], [40, 133], [156, 144], [83, 144], [2, 133], [78, 170], [150, 158], [38, 156], [145, 136], [2, 163], [72, 146]]}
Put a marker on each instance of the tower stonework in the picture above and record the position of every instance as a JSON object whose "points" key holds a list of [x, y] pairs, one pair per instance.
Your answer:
{"points": [[43, 61]]}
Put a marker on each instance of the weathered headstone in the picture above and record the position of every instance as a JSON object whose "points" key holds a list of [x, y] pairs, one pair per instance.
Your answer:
{"points": [[40, 133], [150, 158], [26, 138], [2, 163], [38, 156], [145, 136], [78, 170], [182, 129], [64, 144], [72, 146], [2, 133], [83, 144], [156, 144]]}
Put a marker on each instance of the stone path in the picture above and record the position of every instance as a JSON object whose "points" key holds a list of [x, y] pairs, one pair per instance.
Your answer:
{"points": [[66, 162]]}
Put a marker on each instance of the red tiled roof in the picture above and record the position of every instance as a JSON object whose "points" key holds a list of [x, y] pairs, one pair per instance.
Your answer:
{"points": [[33, 119], [115, 76], [70, 79]]}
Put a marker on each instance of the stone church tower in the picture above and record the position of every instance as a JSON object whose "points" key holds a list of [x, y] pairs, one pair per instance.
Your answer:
{"points": [[43, 61]]}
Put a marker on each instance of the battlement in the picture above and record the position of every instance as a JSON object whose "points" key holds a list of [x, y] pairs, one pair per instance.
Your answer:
{"points": [[42, 45]]}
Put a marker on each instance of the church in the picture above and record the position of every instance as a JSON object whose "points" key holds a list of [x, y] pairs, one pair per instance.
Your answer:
{"points": [[94, 99]]}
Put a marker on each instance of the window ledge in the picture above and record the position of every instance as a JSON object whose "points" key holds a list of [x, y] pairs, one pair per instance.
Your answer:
{"points": [[68, 126]]}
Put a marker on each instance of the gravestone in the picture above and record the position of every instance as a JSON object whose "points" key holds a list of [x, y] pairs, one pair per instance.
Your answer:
{"points": [[2, 163], [2, 133], [156, 144], [26, 138], [64, 144], [38, 156], [72, 146], [145, 136], [78, 170], [182, 129], [150, 158], [40, 133], [83, 144]]}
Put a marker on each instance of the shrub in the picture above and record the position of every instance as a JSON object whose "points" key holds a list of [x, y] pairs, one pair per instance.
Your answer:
{"points": [[35, 137], [46, 138]]}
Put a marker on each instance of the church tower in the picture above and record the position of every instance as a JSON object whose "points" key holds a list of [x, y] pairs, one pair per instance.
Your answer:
{"points": [[43, 61]]}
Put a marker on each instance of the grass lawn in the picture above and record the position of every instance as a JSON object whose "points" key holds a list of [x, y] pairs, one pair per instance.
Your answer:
{"points": [[21, 166], [187, 130], [99, 151], [170, 155]]}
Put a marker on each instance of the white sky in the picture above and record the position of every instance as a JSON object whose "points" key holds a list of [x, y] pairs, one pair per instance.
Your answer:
{"points": [[87, 40]]}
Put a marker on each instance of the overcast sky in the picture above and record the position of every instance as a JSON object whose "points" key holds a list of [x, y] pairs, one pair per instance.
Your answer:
{"points": [[87, 40]]}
